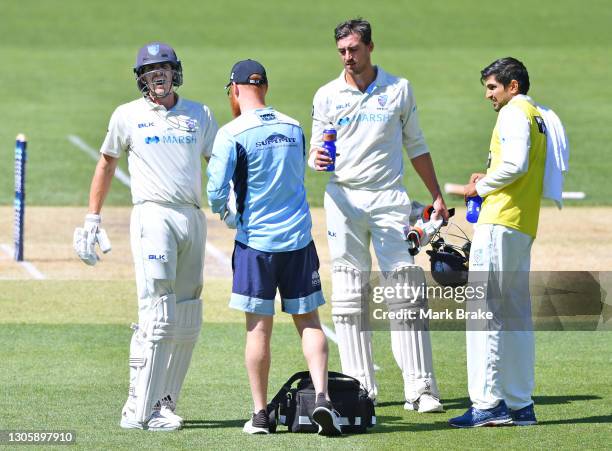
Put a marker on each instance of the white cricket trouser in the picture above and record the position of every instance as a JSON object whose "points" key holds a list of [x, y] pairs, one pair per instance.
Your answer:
{"points": [[500, 363], [354, 217], [168, 249]]}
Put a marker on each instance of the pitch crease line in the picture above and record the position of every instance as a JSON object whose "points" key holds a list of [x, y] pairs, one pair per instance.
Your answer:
{"points": [[217, 253], [29, 267]]}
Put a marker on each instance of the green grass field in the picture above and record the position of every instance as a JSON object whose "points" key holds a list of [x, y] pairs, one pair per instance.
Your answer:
{"points": [[64, 366], [68, 65]]}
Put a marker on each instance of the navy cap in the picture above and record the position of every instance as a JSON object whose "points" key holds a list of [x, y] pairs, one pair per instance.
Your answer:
{"points": [[242, 70], [155, 52]]}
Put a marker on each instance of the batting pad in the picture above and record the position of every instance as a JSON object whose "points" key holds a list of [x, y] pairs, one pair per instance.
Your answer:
{"points": [[354, 344], [150, 352], [410, 340], [188, 326]]}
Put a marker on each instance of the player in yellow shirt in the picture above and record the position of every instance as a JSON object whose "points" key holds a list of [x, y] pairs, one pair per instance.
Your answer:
{"points": [[501, 351]]}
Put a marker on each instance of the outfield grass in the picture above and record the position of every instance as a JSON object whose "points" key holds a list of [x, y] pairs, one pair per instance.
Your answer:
{"points": [[64, 366], [69, 65]]}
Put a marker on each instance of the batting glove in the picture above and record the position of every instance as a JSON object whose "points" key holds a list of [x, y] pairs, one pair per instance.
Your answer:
{"points": [[86, 237]]}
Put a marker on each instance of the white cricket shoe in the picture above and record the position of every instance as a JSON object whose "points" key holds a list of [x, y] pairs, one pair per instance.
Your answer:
{"points": [[160, 423], [425, 404], [156, 422], [168, 408]]}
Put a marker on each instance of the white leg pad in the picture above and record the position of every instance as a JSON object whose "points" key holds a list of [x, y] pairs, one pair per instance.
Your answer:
{"points": [[149, 355], [188, 326], [410, 339], [354, 343]]}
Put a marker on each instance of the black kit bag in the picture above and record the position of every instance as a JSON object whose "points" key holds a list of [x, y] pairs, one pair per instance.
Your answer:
{"points": [[292, 407]]}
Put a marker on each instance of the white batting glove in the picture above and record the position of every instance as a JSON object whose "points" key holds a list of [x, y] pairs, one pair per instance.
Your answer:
{"points": [[86, 237]]}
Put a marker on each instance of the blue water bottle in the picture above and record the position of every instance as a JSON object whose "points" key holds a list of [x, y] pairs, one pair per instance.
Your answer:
{"points": [[329, 144], [473, 209]]}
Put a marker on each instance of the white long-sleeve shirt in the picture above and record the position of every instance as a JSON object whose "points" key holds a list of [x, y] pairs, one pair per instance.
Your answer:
{"points": [[372, 127], [514, 134]]}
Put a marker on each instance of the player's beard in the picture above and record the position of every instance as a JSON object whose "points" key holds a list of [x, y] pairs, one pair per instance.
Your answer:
{"points": [[234, 105]]}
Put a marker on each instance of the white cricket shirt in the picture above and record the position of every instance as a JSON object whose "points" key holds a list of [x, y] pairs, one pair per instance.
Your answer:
{"points": [[164, 148], [372, 127]]}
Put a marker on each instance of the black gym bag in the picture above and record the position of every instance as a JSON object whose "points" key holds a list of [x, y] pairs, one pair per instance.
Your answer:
{"points": [[293, 407]]}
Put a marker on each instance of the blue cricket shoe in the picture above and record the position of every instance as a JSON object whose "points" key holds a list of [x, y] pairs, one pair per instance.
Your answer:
{"points": [[474, 418], [524, 417]]}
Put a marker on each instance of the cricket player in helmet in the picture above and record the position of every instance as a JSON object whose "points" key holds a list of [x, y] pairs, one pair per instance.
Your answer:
{"points": [[164, 137], [375, 115]]}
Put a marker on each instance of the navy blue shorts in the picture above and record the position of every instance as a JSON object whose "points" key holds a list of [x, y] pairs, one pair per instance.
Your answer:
{"points": [[258, 274]]}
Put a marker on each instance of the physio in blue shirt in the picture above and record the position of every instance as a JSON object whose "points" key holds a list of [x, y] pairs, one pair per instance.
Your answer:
{"points": [[261, 152]]}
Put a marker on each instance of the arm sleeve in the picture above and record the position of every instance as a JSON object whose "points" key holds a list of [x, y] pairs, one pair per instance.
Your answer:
{"points": [[220, 171], [210, 131], [320, 118], [412, 135], [117, 139], [513, 129]]}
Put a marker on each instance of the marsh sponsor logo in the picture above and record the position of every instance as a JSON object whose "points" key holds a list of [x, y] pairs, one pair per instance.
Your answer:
{"points": [[365, 117], [183, 139], [275, 140], [170, 139]]}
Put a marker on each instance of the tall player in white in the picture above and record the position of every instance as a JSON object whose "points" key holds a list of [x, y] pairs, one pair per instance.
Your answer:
{"points": [[375, 116], [164, 137]]}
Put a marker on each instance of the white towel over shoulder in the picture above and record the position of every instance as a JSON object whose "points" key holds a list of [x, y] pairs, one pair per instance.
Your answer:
{"points": [[557, 156]]}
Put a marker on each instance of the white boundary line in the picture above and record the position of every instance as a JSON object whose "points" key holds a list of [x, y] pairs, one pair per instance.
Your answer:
{"points": [[213, 250], [29, 267]]}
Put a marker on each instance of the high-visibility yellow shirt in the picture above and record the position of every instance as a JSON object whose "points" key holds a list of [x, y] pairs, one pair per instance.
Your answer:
{"points": [[517, 204]]}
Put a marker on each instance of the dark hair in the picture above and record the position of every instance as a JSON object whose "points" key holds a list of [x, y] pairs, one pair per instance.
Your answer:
{"points": [[358, 26], [506, 70]]}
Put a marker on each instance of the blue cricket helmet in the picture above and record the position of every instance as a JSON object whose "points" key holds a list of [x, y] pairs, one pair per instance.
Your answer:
{"points": [[450, 263], [153, 53]]}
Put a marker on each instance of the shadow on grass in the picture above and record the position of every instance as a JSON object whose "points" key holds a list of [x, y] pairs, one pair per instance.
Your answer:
{"points": [[213, 424], [595, 419], [464, 402]]}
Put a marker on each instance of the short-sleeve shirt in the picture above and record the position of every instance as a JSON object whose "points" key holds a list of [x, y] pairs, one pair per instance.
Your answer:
{"points": [[372, 127], [164, 148]]}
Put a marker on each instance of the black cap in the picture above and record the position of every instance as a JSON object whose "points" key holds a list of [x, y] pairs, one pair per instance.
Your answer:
{"points": [[242, 71]]}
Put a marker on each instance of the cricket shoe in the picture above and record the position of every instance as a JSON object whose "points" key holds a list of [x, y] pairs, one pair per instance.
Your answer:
{"points": [[426, 403], [156, 423], [524, 417], [168, 409], [473, 417], [326, 417], [258, 424]]}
